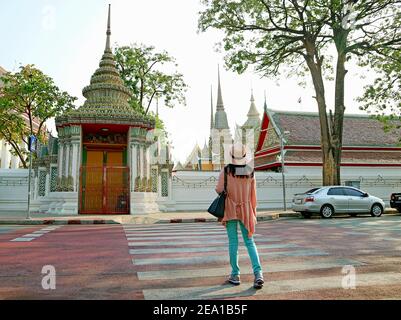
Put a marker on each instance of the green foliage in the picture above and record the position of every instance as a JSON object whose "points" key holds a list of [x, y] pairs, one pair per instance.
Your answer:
{"points": [[272, 35], [383, 97], [145, 72], [27, 100], [292, 37], [268, 35]]}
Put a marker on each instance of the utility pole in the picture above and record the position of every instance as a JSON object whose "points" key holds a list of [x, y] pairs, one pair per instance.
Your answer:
{"points": [[283, 167], [31, 148]]}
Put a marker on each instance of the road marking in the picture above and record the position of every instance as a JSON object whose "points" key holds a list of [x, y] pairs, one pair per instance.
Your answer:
{"points": [[174, 229], [22, 239], [35, 235], [189, 242], [267, 267], [206, 249], [199, 233], [175, 226], [223, 257], [139, 237], [270, 288]]}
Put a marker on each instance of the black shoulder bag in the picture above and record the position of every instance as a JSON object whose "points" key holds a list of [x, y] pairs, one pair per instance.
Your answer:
{"points": [[217, 206]]}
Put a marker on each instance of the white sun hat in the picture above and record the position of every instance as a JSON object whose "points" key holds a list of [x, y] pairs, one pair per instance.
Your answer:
{"points": [[240, 154]]}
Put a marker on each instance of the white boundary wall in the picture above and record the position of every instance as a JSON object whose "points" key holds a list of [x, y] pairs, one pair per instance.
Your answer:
{"points": [[194, 191], [13, 190]]}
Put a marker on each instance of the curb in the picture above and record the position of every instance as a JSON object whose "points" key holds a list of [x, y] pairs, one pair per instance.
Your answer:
{"points": [[268, 217], [56, 222], [161, 221]]}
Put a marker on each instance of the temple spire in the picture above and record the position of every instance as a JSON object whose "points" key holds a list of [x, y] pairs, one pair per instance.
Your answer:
{"points": [[108, 32], [220, 119], [211, 108], [220, 105]]}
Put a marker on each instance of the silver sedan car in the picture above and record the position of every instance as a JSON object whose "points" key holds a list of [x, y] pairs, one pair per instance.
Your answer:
{"points": [[337, 199]]}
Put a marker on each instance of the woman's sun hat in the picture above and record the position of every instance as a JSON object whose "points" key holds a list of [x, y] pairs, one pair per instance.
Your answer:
{"points": [[240, 154]]}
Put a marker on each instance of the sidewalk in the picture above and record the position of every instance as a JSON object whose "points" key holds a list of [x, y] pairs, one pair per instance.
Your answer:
{"points": [[155, 218]]}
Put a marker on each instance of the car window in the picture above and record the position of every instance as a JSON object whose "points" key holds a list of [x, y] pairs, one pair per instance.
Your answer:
{"points": [[312, 190], [353, 192], [336, 192]]}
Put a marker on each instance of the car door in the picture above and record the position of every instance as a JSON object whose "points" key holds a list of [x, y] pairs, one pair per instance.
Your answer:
{"points": [[338, 198], [356, 200]]}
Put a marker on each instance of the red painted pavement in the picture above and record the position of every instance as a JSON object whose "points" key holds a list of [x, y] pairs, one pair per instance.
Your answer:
{"points": [[91, 262]]}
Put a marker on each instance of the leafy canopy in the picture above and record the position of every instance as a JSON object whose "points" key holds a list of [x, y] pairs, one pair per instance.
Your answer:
{"points": [[151, 76], [28, 99]]}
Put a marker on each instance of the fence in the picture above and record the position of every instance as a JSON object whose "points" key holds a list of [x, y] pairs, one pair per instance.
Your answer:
{"points": [[194, 191]]}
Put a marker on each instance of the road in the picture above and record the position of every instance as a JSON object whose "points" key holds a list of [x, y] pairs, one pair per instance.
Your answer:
{"points": [[302, 259]]}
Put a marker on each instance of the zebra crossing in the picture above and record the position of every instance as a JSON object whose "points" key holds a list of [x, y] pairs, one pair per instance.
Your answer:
{"points": [[181, 252]]}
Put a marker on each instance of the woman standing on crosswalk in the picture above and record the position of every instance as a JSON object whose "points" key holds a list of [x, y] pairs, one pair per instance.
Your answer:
{"points": [[240, 209]]}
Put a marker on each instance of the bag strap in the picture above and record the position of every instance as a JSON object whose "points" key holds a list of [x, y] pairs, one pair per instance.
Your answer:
{"points": [[225, 179]]}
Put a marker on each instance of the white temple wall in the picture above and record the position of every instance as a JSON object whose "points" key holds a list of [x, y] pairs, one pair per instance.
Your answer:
{"points": [[359, 171], [194, 191], [13, 191]]}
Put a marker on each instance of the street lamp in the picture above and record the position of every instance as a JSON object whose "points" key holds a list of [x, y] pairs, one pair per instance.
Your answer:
{"points": [[282, 141]]}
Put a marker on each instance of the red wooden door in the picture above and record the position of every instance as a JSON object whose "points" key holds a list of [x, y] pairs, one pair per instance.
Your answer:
{"points": [[104, 184]]}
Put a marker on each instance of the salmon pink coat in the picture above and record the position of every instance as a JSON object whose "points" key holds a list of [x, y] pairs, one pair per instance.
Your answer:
{"points": [[240, 201]]}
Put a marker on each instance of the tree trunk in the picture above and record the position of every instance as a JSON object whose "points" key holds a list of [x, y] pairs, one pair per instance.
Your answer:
{"points": [[338, 123], [340, 39], [19, 153], [329, 171]]}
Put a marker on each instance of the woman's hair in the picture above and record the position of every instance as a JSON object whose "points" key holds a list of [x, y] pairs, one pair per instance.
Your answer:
{"points": [[240, 171]]}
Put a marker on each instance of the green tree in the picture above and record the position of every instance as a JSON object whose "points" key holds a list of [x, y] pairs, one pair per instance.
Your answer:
{"points": [[383, 97], [295, 37], [28, 99], [145, 72]]}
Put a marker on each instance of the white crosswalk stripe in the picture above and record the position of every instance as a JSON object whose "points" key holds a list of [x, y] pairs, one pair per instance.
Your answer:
{"points": [[141, 243], [35, 235], [269, 267]]}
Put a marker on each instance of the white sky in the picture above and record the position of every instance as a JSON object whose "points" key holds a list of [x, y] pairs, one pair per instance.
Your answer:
{"points": [[66, 40]]}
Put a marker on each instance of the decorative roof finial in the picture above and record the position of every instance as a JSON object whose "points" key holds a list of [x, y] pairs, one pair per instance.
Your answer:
{"points": [[220, 120], [108, 32], [211, 108], [220, 105]]}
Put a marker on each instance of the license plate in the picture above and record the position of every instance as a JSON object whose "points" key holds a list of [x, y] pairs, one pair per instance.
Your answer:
{"points": [[298, 201]]}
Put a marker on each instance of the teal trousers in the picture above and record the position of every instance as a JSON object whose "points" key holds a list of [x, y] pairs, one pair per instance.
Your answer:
{"points": [[232, 232]]}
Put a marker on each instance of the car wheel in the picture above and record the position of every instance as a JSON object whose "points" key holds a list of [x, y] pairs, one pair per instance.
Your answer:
{"points": [[353, 214], [376, 211], [327, 211], [306, 215], [399, 209]]}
